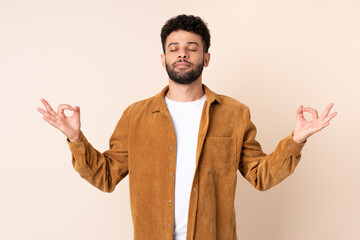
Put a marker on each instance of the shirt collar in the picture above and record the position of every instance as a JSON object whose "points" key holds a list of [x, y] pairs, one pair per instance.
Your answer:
{"points": [[159, 99]]}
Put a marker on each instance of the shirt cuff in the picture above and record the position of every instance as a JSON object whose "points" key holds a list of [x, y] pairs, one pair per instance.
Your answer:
{"points": [[293, 146], [79, 146]]}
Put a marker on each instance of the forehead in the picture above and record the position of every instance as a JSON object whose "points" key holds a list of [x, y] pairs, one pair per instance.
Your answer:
{"points": [[182, 37]]}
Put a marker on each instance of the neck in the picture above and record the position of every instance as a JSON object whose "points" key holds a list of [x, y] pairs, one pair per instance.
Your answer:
{"points": [[185, 92]]}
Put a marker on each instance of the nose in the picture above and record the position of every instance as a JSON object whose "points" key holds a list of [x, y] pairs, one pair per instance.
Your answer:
{"points": [[183, 54]]}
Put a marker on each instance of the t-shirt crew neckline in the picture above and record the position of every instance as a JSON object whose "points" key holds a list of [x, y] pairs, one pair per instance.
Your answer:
{"points": [[184, 103]]}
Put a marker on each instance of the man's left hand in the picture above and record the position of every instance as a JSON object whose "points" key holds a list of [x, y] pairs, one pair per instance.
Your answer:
{"points": [[304, 129]]}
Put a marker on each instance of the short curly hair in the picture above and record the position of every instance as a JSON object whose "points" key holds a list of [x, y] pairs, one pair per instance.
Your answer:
{"points": [[188, 23]]}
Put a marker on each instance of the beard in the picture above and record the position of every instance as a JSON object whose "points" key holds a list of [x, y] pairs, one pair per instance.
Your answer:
{"points": [[184, 77]]}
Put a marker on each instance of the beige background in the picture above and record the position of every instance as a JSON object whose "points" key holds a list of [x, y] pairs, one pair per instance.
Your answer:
{"points": [[104, 55]]}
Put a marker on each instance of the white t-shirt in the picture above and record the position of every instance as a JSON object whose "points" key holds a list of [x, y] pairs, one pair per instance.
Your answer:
{"points": [[186, 120]]}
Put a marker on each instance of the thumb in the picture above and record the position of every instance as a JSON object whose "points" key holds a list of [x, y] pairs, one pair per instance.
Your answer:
{"points": [[299, 112], [76, 110]]}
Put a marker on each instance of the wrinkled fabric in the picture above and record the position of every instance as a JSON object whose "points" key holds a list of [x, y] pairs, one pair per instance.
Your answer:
{"points": [[143, 146]]}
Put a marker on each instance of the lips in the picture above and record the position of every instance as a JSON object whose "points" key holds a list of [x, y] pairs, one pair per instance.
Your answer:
{"points": [[182, 65]]}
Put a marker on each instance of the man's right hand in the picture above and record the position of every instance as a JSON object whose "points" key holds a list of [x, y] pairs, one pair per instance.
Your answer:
{"points": [[69, 126]]}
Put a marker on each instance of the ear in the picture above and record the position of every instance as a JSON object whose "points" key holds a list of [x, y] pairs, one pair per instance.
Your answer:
{"points": [[163, 60], [206, 59]]}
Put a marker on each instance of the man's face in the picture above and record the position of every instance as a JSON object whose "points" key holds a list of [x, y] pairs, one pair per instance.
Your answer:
{"points": [[184, 57]]}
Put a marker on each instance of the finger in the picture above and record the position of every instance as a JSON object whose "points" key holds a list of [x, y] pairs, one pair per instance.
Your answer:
{"points": [[319, 127], [42, 111], [47, 106], [76, 110], [313, 112], [53, 122], [300, 113], [46, 114], [331, 116], [62, 107], [327, 110]]}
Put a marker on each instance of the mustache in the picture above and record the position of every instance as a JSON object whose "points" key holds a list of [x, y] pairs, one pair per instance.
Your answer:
{"points": [[182, 61]]}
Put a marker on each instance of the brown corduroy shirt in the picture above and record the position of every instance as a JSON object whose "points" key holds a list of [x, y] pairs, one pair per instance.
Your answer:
{"points": [[143, 145]]}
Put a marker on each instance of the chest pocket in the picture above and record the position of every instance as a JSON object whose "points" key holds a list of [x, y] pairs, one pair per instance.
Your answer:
{"points": [[220, 154]]}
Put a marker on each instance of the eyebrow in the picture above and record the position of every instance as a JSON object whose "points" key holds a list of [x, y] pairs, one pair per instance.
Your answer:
{"points": [[174, 43]]}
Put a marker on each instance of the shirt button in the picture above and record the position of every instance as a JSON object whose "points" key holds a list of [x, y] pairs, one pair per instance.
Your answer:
{"points": [[170, 225], [194, 189], [79, 147], [171, 147], [171, 173], [289, 147], [170, 200]]}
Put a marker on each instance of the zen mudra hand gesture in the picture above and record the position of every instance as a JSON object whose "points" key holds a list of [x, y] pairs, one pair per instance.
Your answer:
{"points": [[304, 129], [69, 126]]}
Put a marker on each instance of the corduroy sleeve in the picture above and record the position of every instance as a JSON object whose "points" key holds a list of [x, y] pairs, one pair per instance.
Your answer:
{"points": [[103, 170], [263, 170]]}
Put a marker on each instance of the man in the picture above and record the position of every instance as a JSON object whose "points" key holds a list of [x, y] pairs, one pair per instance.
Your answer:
{"points": [[182, 148]]}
